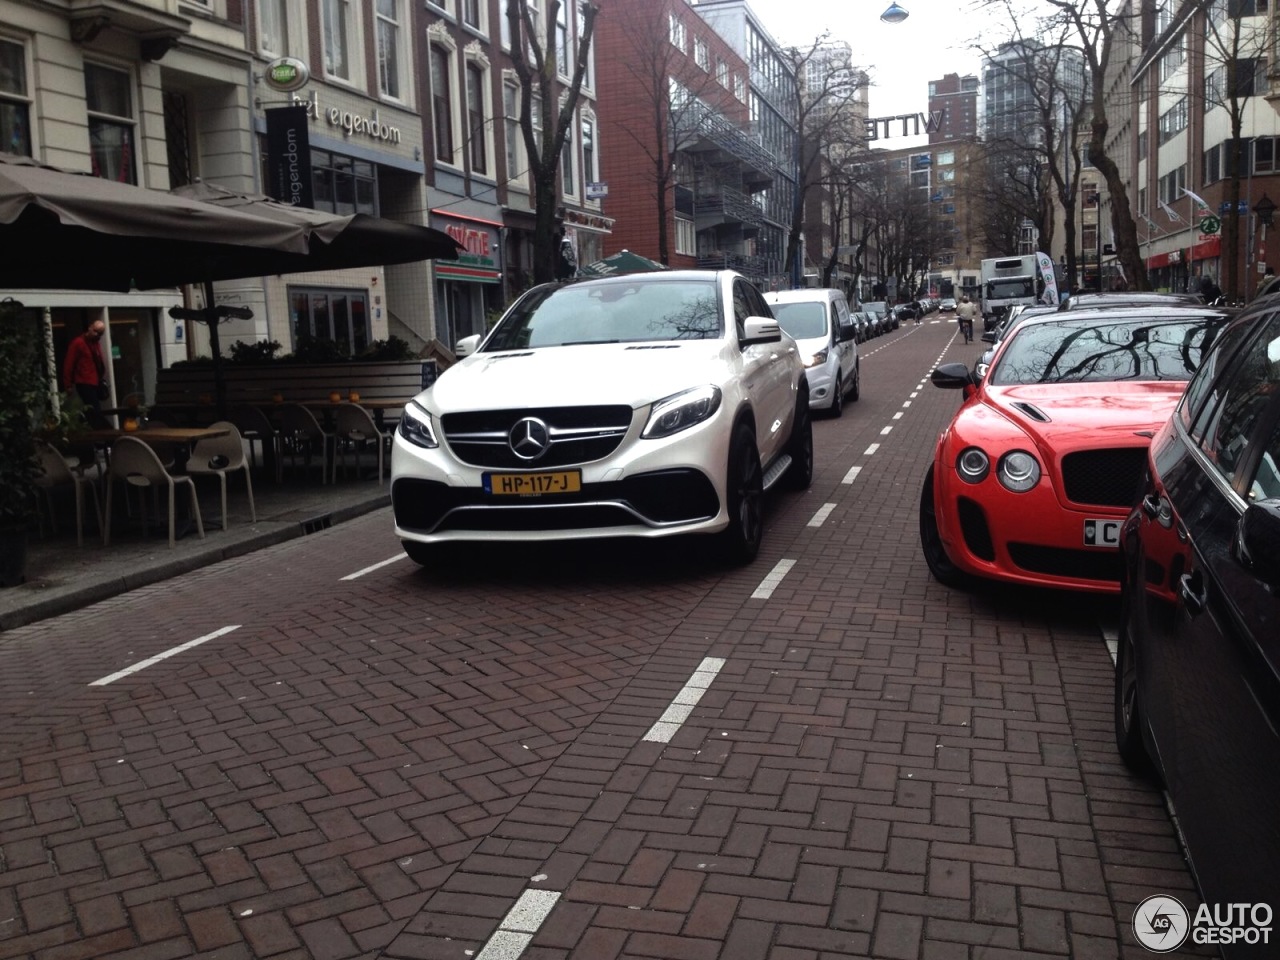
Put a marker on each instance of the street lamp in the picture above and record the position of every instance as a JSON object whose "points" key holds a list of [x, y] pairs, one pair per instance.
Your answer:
{"points": [[1265, 209], [895, 13]]}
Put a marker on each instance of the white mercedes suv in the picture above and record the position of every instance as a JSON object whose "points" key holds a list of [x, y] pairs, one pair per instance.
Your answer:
{"points": [[644, 405]]}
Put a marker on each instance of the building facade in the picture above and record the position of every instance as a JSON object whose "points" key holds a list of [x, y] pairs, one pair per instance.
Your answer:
{"points": [[955, 99]]}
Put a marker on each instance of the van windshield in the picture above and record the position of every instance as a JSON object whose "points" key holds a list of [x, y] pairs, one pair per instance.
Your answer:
{"points": [[1008, 289], [802, 321]]}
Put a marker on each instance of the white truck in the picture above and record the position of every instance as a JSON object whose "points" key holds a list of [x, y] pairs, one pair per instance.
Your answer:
{"points": [[1007, 281]]}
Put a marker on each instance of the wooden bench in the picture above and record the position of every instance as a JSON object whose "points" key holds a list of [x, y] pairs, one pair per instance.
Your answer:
{"points": [[186, 392]]}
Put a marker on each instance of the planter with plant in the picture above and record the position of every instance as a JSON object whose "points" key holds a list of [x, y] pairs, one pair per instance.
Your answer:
{"points": [[22, 397]]}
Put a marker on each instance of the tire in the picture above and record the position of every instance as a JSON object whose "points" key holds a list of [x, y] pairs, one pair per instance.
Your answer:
{"points": [[935, 554], [837, 400], [1128, 702], [856, 390], [800, 446], [744, 492]]}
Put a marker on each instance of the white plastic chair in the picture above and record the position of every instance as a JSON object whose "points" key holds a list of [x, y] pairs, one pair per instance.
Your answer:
{"points": [[133, 462], [58, 472], [219, 456], [355, 429]]}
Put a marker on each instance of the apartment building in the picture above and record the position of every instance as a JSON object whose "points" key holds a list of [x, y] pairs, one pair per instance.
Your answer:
{"points": [[955, 99]]}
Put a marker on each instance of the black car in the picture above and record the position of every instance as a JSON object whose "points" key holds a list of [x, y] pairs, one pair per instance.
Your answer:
{"points": [[1197, 694]]}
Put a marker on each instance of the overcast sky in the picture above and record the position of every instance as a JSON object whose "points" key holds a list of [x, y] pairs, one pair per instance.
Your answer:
{"points": [[936, 39]]}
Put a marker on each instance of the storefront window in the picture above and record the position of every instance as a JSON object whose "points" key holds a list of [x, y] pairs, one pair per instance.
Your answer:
{"points": [[340, 316], [110, 104], [344, 185], [15, 106]]}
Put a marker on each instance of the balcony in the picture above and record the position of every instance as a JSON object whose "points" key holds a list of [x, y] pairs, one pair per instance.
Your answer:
{"points": [[726, 205], [699, 129], [719, 260]]}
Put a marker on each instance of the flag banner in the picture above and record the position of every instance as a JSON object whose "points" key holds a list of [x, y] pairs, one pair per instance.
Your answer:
{"points": [[1197, 198], [1170, 212]]}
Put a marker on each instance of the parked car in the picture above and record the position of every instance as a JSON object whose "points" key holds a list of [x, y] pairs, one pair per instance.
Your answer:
{"points": [[1197, 691], [1011, 321], [861, 325], [907, 313], [643, 405], [1036, 472], [818, 320], [1129, 298], [877, 311], [947, 303]]}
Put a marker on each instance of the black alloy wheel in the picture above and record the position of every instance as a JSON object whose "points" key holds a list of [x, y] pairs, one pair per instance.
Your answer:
{"points": [[837, 399], [935, 554], [856, 392], [740, 541], [800, 446]]}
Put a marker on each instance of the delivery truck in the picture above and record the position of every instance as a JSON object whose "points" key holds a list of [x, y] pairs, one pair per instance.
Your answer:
{"points": [[1007, 281]]}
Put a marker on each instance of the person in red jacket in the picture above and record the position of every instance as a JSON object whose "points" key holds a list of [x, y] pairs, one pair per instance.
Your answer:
{"points": [[84, 370]]}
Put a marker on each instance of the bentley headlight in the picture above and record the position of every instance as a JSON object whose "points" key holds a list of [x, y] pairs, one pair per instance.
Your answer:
{"points": [[681, 411], [1018, 471], [973, 465], [417, 428]]}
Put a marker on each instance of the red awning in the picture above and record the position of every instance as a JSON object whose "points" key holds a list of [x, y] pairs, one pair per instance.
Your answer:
{"points": [[1206, 249]]}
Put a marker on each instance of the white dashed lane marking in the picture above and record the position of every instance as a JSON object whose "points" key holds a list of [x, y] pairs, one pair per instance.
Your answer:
{"points": [[852, 475], [376, 566], [820, 517], [871, 449], [173, 651], [772, 579], [517, 928], [685, 701]]}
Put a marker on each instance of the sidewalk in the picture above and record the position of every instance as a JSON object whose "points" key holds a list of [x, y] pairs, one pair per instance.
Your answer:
{"points": [[62, 577]]}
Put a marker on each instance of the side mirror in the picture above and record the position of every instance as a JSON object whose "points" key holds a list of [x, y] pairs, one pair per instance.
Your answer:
{"points": [[1258, 541], [847, 332], [760, 330], [988, 336], [952, 376], [467, 346]]}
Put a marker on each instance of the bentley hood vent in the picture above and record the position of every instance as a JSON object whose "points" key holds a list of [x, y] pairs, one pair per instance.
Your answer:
{"points": [[1032, 411]]}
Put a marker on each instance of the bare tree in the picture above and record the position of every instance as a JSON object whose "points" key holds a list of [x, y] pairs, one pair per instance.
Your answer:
{"points": [[536, 56], [1235, 65], [826, 92], [1100, 28], [680, 100]]}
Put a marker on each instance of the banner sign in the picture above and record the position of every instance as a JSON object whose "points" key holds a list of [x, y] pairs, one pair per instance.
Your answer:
{"points": [[289, 156], [930, 123]]}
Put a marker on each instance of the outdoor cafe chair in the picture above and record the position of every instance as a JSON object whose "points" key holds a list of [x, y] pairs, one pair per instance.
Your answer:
{"points": [[355, 429], [256, 427], [301, 433], [219, 456], [136, 464], [58, 472]]}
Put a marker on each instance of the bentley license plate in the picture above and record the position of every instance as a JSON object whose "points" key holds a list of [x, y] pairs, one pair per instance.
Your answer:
{"points": [[1102, 533], [532, 484]]}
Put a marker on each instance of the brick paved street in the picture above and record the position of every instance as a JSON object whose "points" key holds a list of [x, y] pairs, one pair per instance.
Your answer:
{"points": [[462, 763]]}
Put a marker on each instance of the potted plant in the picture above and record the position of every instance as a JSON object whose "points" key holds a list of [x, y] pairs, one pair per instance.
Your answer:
{"points": [[22, 396]]}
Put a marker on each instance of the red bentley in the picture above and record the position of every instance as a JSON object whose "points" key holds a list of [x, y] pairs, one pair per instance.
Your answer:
{"points": [[1034, 476]]}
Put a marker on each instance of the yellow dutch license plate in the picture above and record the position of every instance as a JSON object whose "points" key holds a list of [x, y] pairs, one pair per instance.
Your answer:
{"points": [[532, 484]]}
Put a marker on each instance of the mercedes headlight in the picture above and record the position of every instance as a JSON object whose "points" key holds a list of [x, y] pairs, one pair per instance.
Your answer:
{"points": [[681, 411], [1018, 471], [417, 428]]}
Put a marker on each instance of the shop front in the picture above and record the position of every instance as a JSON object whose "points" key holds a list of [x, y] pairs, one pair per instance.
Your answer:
{"points": [[1168, 272], [469, 289], [586, 232]]}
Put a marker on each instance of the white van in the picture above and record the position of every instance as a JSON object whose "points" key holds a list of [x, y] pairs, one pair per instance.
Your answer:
{"points": [[819, 321]]}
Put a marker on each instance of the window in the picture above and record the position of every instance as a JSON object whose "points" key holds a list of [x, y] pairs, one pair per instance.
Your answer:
{"points": [[511, 129], [15, 102], [722, 74], [589, 75], [1246, 393], [946, 175], [1214, 86], [590, 173], [1264, 155], [740, 88], [1212, 164], [1142, 145], [477, 153], [1251, 77], [341, 316], [273, 26], [678, 38], [1173, 121], [946, 158], [568, 182], [337, 41], [110, 103], [701, 56], [471, 13], [564, 56], [441, 104], [1142, 201], [388, 20], [344, 185], [686, 241], [1173, 59], [1172, 184]]}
